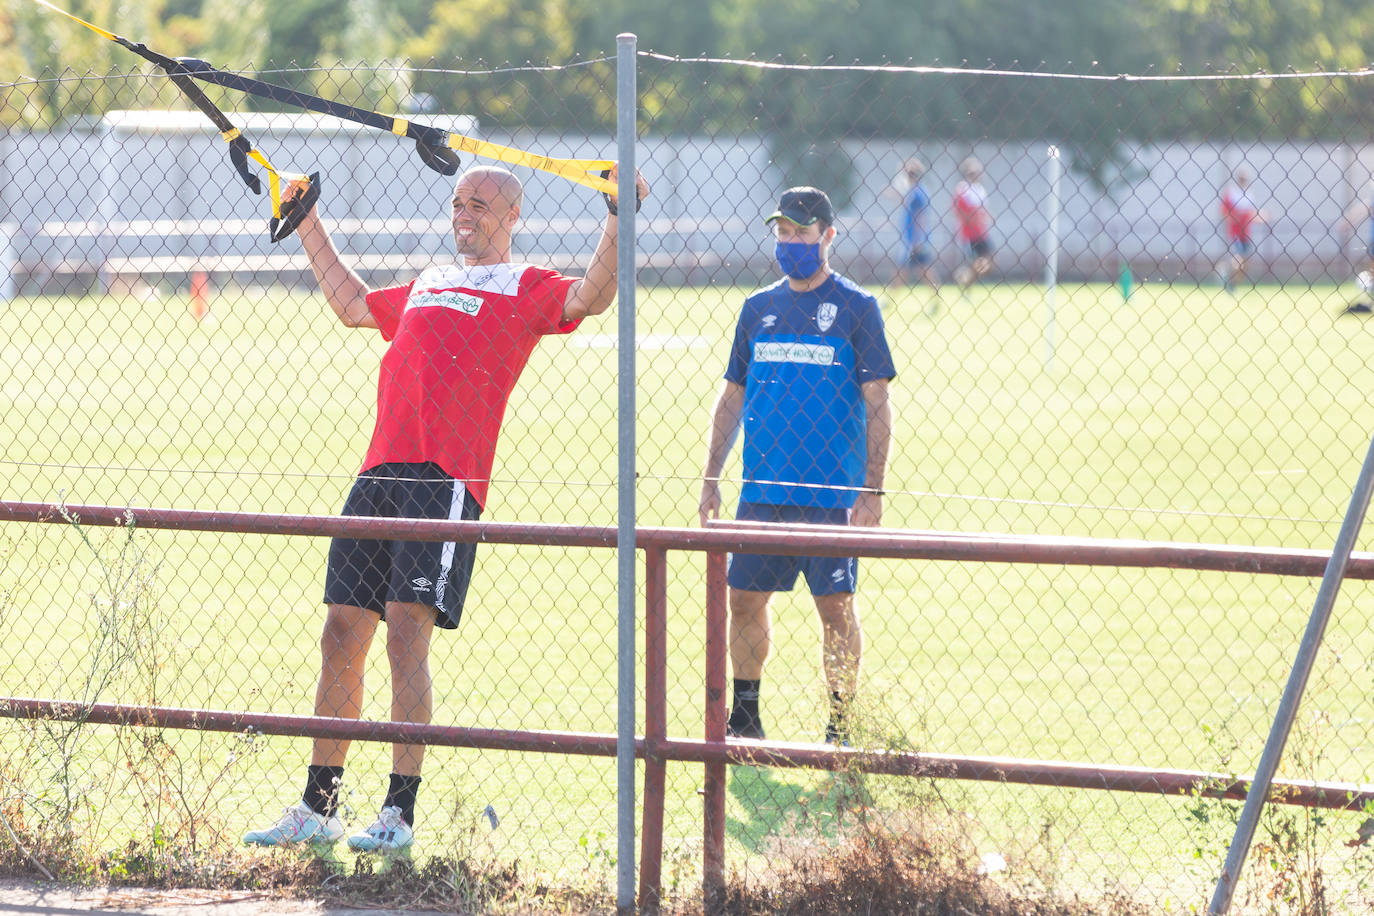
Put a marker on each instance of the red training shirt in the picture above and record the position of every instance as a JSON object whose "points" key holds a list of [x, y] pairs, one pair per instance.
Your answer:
{"points": [[1240, 213], [460, 337], [970, 207]]}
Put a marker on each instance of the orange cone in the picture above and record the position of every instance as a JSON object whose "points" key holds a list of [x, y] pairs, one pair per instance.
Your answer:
{"points": [[200, 294]]}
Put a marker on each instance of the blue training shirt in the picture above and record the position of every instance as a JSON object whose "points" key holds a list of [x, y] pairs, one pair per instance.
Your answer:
{"points": [[914, 206], [802, 359]]}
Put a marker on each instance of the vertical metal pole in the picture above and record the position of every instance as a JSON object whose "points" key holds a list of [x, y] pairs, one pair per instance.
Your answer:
{"points": [[655, 726], [1297, 683], [9, 230], [625, 133], [1051, 253], [107, 207], [713, 789]]}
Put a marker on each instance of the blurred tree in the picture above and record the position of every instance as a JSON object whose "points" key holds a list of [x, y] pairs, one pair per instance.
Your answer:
{"points": [[81, 74], [665, 26], [495, 34], [1123, 36], [359, 64]]}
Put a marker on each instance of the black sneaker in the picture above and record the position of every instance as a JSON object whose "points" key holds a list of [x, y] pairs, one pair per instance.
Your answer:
{"points": [[1358, 308], [743, 725], [836, 733]]}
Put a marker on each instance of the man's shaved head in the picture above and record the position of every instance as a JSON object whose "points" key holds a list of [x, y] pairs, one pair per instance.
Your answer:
{"points": [[501, 181]]}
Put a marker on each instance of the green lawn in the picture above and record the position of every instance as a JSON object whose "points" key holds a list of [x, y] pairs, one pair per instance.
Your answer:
{"points": [[1183, 414]]}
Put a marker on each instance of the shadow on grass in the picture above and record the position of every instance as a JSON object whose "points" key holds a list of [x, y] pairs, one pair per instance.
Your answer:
{"points": [[772, 806]]}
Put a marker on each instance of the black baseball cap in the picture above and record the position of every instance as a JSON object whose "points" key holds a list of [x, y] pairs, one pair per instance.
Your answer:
{"points": [[803, 206]]}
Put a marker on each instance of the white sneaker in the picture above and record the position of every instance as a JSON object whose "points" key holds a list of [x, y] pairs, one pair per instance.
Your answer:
{"points": [[298, 824], [389, 833]]}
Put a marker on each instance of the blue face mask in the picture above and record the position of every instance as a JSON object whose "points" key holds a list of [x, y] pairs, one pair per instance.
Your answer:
{"points": [[799, 260]]}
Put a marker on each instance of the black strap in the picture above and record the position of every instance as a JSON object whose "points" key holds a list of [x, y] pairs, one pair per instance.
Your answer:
{"points": [[430, 142], [610, 201], [178, 70]]}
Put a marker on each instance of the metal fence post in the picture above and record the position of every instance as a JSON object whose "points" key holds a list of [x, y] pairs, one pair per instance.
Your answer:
{"points": [[1051, 252], [626, 97], [655, 726], [1297, 683], [713, 790]]}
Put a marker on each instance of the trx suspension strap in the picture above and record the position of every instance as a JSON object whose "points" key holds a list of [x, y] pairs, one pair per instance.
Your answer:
{"points": [[437, 148], [286, 214]]}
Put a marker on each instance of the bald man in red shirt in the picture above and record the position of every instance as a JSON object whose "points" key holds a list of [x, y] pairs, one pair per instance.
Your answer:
{"points": [[459, 337]]}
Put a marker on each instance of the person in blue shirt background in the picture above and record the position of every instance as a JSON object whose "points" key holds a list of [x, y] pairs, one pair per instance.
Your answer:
{"points": [[918, 255], [808, 380], [1361, 211]]}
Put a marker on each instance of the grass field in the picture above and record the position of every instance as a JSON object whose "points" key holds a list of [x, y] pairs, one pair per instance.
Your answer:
{"points": [[1183, 414]]}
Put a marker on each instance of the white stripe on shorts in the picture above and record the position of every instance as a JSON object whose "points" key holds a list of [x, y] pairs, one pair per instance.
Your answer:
{"points": [[455, 514]]}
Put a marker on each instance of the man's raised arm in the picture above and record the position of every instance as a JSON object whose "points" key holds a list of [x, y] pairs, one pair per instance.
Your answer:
{"points": [[342, 287]]}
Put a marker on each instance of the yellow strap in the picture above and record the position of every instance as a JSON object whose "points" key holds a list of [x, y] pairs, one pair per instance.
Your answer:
{"points": [[398, 126], [581, 171], [93, 28], [230, 135], [274, 179]]}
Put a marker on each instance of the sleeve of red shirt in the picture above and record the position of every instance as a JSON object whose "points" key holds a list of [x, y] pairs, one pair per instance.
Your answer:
{"points": [[543, 293], [386, 305]]}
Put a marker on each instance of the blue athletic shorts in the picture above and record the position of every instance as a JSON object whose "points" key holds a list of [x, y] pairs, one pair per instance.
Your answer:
{"points": [[368, 574], [1242, 248], [769, 573]]}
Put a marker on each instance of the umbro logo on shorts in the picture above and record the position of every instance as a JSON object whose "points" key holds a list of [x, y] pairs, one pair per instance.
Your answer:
{"points": [[837, 575], [421, 583]]}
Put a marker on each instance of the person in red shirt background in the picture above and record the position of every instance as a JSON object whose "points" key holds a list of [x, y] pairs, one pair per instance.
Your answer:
{"points": [[1240, 215], [459, 337], [975, 223]]}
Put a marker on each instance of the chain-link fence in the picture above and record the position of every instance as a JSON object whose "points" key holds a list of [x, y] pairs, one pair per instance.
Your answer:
{"points": [[1128, 309]]}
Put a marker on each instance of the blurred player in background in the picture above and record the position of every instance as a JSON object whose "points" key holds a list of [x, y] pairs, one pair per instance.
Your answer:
{"points": [[918, 255], [975, 223], [1240, 216], [1360, 212]]}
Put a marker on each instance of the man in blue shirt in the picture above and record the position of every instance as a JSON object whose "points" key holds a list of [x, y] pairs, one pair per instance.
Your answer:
{"points": [[917, 253], [808, 379]]}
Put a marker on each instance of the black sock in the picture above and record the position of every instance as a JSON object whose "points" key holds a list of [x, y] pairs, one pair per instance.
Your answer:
{"points": [[401, 794], [837, 729], [747, 697], [322, 786]]}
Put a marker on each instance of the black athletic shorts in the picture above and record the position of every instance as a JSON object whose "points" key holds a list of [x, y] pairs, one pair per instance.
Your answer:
{"points": [[368, 574], [981, 247]]}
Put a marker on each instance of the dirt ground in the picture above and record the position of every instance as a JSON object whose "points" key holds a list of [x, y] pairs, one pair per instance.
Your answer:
{"points": [[28, 898]]}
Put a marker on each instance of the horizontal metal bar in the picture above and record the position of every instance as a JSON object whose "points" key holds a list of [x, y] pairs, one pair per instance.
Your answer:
{"points": [[884, 543], [587, 744], [1010, 770]]}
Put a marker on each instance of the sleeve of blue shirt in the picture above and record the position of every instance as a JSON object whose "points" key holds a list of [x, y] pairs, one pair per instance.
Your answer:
{"points": [[737, 369], [872, 358]]}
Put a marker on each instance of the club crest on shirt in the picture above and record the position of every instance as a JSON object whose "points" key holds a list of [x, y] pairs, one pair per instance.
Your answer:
{"points": [[825, 315], [448, 298]]}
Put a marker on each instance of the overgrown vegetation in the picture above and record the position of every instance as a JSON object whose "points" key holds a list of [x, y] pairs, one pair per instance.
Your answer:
{"points": [[1294, 865]]}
